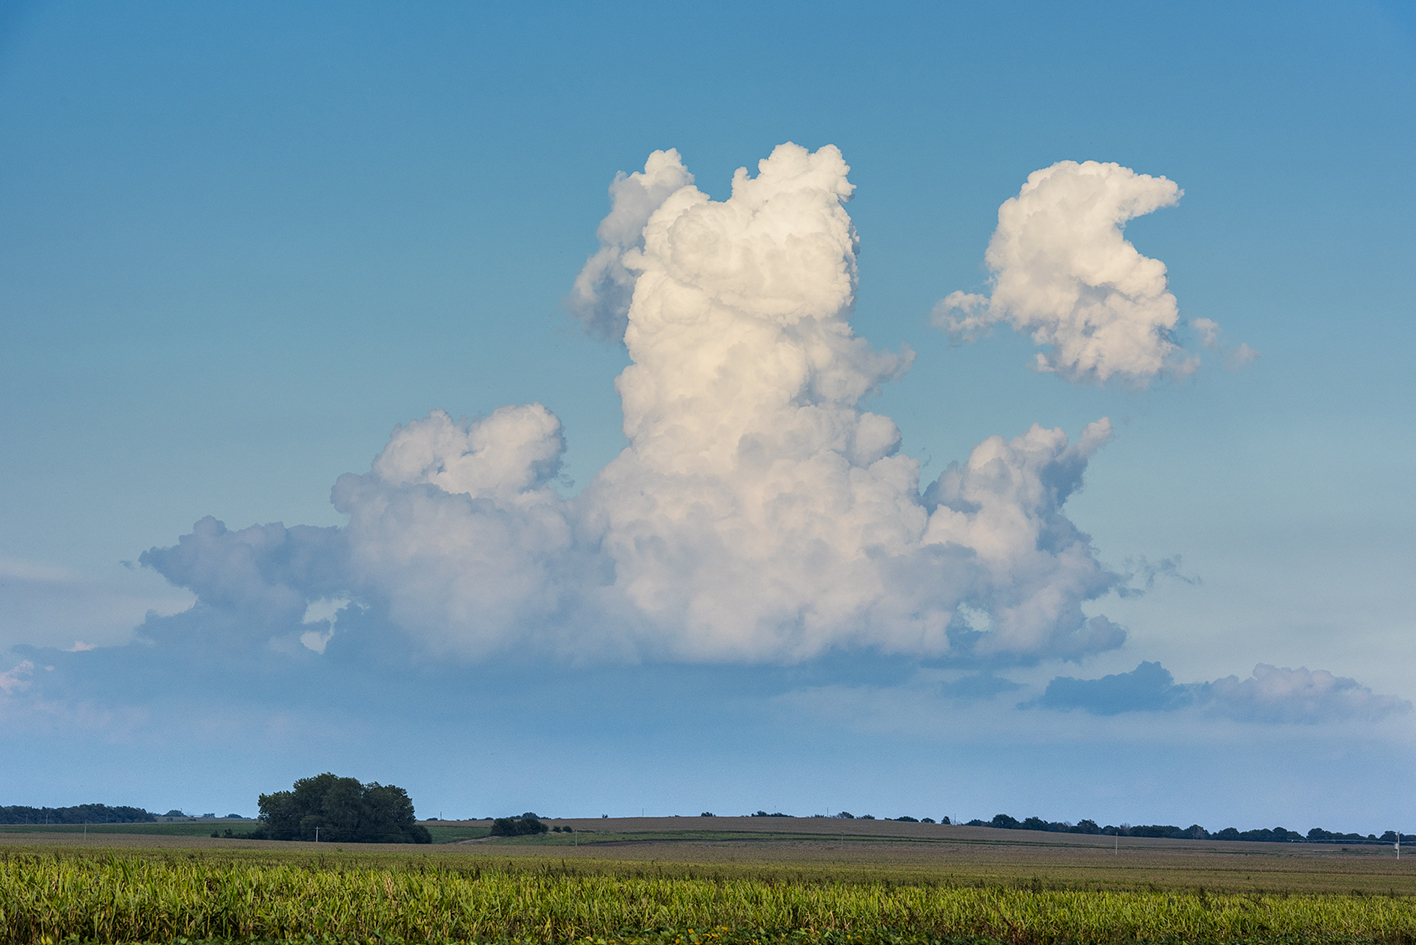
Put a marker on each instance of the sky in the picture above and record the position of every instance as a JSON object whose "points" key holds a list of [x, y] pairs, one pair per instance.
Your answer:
{"points": [[929, 409]]}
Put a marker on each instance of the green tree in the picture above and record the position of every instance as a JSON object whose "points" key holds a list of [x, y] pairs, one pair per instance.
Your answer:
{"points": [[342, 811]]}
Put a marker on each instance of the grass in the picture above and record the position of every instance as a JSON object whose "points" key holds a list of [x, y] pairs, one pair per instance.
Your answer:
{"points": [[357, 895], [457, 834]]}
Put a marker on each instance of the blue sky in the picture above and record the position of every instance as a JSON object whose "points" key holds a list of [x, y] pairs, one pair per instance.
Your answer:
{"points": [[238, 246]]}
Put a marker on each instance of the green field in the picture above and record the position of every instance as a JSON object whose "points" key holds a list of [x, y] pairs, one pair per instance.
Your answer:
{"points": [[104, 896], [681, 881]]}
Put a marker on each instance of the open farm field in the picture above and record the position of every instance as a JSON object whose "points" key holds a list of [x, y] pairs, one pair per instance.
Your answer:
{"points": [[208, 892], [850, 851]]}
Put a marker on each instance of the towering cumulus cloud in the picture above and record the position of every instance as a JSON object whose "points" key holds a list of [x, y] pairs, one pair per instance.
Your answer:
{"points": [[1063, 271], [759, 512]]}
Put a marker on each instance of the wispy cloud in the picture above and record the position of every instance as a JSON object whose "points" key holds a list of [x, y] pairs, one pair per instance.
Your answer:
{"points": [[1234, 358], [48, 605]]}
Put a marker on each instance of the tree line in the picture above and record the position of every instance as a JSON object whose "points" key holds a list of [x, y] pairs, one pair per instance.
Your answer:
{"points": [[1192, 832], [79, 814]]}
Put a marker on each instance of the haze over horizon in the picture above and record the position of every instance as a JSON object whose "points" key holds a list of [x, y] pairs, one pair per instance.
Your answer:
{"points": [[940, 420]]}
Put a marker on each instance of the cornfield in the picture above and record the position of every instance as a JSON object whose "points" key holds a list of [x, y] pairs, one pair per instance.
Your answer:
{"points": [[155, 898]]}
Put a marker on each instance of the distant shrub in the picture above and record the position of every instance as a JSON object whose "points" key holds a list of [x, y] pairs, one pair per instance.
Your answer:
{"points": [[518, 826]]}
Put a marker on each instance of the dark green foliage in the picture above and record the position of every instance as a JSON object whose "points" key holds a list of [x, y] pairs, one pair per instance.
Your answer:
{"points": [[1192, 832], [525, 825], [343, 810], [82, 814]]}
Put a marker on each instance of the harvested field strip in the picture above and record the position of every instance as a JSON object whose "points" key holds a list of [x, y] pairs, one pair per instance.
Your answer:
{"points": [[127, 898]]}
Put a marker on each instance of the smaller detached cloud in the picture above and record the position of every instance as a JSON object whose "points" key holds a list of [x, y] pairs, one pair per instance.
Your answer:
{"points": [[1270, 694], [1147, 688], [1064, 272], [1274, 694]]}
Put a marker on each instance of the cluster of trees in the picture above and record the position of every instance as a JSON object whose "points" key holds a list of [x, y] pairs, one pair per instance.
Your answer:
{"points": [[1319, 835], [81, 814], [1192, 832], [339, 810], [843, 815], [528, 823]]}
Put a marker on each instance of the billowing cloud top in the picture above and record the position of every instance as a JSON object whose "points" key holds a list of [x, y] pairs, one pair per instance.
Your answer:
{"points": [[759, 512], [601, 294], [1063, 271]]}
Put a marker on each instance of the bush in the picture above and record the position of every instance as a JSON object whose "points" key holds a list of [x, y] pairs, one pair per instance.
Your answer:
{"points": [[518, 826]]}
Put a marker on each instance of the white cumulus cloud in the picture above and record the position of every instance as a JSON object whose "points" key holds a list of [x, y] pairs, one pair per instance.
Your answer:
{"points": [[759, 512], [1279, 694], [1064, 272]]}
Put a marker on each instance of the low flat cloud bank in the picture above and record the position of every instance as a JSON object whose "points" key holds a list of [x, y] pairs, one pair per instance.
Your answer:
{"points": [[1270, 694]]}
